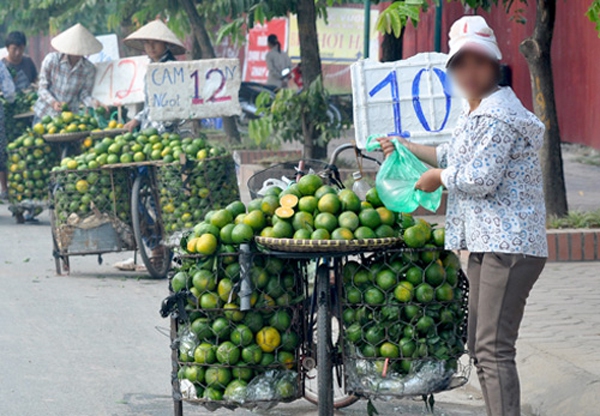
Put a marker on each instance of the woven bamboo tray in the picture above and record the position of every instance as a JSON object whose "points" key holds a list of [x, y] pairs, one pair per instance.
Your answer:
{"points": [[65, 137], [107, 133], [291, 245]]}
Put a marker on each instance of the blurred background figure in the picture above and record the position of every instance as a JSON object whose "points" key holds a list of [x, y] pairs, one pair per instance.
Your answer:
{"points": [[7, 87], [277, 61], [21, 67]]}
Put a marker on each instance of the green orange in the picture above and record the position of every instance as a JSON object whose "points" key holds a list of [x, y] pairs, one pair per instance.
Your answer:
{"points": [[326, 221], [329, 203], [308, 184]]}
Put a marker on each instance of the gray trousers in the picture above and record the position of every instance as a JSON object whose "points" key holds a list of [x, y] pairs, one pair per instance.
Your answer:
{"points": [[499, 285]]}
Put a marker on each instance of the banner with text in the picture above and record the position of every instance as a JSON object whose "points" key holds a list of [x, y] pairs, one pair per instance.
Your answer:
{"points": [[121, 82], [412, 98], [193, 89], [255, 65], [341, 37]]}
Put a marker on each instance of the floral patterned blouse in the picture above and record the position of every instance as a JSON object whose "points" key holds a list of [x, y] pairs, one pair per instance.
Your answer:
{"points": [[494, 180]]}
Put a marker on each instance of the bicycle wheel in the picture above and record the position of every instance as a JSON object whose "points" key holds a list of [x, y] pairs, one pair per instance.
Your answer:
{"points": [[147, 228], [311, 393], [311, 382]]}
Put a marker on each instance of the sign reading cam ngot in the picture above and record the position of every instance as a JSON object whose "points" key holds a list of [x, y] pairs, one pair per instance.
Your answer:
{"points": [[193, 89], [412, 98]]}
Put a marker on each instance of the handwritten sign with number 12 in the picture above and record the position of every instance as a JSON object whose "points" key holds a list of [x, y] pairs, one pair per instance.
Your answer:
{"points": [[412, 98], [193, 89]]}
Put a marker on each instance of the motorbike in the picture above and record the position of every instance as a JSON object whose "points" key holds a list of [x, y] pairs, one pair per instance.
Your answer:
{"points": [[249, 91]]}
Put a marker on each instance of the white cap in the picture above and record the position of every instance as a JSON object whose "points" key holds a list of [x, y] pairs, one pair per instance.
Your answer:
{"points": [[472, 33], [76, 40]]}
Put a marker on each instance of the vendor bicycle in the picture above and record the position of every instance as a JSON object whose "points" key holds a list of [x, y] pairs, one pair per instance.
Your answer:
{"points": [[324, 361], [337, 373]]}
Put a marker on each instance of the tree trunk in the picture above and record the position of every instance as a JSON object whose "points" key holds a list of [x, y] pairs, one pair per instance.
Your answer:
{"points": [[392, 47], [311, 69], [536, 50], [198, 24]]}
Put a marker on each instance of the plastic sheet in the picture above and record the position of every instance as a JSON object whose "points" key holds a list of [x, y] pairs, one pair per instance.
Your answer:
{"points": [[366, 378]]}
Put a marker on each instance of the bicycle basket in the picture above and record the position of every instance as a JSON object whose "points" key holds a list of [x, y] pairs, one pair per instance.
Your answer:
{"points": [[286, 169]]}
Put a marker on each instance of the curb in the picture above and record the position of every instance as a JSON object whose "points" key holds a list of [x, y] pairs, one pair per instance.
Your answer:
{"points": [[573, 245]]}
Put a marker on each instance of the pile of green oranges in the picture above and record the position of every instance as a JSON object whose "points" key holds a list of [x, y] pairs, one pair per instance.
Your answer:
{"points": [[232, 348], [29, 161], [405, 307]]}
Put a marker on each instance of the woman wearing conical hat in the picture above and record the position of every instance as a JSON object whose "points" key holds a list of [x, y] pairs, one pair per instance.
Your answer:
{"points": [[161, 45], [66, 76]]}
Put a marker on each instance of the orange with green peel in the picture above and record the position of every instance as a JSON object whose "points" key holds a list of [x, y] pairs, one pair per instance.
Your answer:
{"points": [[302, 234], [363, 233], [320, 234], [329, 203], [308, 184], [387, 217], [242, 233], [349, 220], [303, 220], [369, 218], [283, 229], [404, 292], [372, 198], [326, 221], [325, 189], [308, 204], [350, 201], [342, 234]]}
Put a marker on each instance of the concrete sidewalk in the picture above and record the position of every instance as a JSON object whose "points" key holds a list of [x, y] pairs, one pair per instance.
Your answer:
{"points": [[70, 341]]}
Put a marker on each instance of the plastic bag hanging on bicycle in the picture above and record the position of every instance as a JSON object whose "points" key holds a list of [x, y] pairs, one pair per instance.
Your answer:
{"points": [[397, 177]]}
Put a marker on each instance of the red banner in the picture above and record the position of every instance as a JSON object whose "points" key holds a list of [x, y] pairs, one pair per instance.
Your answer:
{"points": [[255, 66]]}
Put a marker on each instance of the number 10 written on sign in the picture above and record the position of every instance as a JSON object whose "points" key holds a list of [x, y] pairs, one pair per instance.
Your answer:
{"points": [[392, 80]]}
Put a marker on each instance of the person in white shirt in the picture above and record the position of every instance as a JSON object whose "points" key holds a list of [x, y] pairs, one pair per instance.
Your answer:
{"points": [[496, 209]]}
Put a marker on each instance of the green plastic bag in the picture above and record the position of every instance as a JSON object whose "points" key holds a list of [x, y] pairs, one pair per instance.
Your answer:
{"points": [[397, 177]]}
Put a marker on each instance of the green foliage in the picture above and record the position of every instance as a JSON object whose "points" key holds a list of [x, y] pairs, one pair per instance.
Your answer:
{"points": [[395, 16], [575, 219], [288, 117], [240, 15], [593, 14]]}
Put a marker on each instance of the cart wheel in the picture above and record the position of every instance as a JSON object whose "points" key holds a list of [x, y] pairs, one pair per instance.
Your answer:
{"points": [[147, 228], [311, 382]]}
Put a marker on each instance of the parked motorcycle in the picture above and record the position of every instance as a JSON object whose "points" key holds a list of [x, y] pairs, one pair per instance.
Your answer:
{"points": [[249, 91]]}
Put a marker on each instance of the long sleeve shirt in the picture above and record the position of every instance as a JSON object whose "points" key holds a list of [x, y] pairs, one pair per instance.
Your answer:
{"points": [[7, 85], [61, 82], [276, 63], [494, 179]]}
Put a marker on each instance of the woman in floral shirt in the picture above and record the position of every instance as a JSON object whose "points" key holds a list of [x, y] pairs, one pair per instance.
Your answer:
{"points": [[495, 209]]}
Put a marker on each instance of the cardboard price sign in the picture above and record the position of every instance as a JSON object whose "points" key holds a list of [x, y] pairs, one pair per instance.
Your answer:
{"points": [[412, 98], [193, 89], [121, 82]]}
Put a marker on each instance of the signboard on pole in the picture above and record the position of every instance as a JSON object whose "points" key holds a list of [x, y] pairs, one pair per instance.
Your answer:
{"points": [[255, 64], [193, 89], [340, 37], [412, 98], [110, 49], [121, 82]]}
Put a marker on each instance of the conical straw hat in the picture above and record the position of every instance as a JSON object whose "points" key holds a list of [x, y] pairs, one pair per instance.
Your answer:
{"points": [[76, 40], [155, 30]]}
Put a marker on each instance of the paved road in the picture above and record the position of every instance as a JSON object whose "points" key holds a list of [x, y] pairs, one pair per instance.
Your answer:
{"points": [[88, 344]]}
